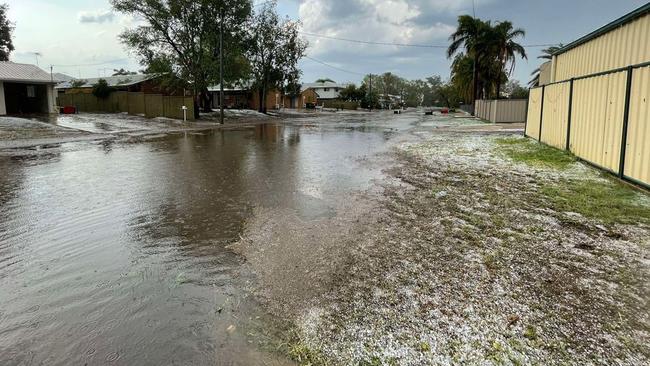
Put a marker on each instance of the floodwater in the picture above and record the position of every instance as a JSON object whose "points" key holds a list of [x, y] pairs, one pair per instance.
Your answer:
{"points": [[116, 252]]}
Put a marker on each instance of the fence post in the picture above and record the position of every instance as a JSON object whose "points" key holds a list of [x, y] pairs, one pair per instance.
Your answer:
{"points": [[626, 118], [541, 113], [526, 117], [568, 126]]}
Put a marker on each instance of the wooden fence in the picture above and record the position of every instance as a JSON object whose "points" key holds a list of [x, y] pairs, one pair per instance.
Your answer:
{"points": [[502, 110], [148, 105], [603, 119]]}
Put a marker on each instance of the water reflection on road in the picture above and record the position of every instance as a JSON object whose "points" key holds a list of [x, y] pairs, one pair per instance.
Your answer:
{"points": [[115, 253]]}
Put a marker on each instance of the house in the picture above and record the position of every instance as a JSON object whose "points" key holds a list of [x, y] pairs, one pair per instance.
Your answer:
{"points": [[320, 92], [389, 101], [131, 83], [235, 97], [595, 104], [25, 88], [242, 96]]}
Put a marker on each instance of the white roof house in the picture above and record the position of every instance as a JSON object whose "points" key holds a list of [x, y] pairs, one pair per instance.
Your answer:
{"points": [[25, 88], [114, 81], [326, 90]]}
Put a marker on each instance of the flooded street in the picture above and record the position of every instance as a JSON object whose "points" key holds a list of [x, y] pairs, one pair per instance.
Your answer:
{"points": [[116, 253]]}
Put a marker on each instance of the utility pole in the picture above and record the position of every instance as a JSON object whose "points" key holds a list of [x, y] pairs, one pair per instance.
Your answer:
{"points": [[221, 66], [370, 94], [474, 75], [52, 73]]}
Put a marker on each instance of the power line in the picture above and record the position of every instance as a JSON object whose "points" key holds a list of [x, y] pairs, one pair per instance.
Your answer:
{"points": [[334, 67], [374, 43], [402, 44], [94, 64]]}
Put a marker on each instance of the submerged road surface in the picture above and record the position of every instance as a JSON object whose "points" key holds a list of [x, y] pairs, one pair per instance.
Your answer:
{"points": [[115, 253]]}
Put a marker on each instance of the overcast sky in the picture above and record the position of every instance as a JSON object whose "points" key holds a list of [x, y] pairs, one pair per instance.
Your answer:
{"points": [[68, 33]]}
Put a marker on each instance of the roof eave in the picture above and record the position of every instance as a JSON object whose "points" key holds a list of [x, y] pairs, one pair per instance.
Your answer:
{"points": [[27, 81], [635, 14]]}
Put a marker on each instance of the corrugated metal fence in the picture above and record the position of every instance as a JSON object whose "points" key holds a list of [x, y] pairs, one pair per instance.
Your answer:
{"points": [[149, 105], [603, 119], [501, 110]]}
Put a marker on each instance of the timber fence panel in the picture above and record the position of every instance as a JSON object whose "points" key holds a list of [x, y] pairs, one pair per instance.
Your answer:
{"points": [[153, 105], [556, 113], [637, 150], [136, 104], [534, 112]]}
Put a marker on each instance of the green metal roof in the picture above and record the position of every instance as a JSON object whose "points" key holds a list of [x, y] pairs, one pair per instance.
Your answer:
{"points": [[607, 28]]}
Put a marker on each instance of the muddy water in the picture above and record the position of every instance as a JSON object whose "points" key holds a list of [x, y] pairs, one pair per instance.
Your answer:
{"points": [[115, 253]]}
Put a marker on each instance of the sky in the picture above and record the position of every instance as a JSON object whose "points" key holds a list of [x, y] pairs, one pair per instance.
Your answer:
{"points": [[79, 37]]}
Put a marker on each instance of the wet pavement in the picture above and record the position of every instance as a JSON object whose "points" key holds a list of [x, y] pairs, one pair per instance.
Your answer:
{"points": [[115, 252]]}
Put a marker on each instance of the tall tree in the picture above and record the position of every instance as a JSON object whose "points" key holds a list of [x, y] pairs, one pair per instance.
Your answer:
{"points": [[547, 54], [503, 38], [180, 39], [6, 31], [471, 35], [274, 49]]}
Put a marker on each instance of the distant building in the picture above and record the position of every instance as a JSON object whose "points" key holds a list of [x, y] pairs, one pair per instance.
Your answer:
{"points": [[319, 92], [389, 101], [242, 96], [25, 88], [130, 83]]}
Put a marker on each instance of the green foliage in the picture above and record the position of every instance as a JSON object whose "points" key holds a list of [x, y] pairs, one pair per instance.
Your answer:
{"points": [[414, 93], [78, 83], [482, 52], [273, 50], [304, 355], [6, 31], [102, 90], [609, 201], [179, 39], [449, 96], [530, 332], [326, 80], [547, 54], [534, 153], [516, 91]]}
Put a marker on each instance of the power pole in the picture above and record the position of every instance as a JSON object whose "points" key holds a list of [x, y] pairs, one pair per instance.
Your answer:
{"points": [[221, 66], [474, 75], [370, 94]]}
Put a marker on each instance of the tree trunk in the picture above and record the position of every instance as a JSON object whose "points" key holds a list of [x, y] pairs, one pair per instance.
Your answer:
{"points": [[263, 95], [260, 95], [475, 84], [197, 114], [499, 78], [206, 106]]}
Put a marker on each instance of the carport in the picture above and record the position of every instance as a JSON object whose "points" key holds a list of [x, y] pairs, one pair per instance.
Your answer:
{"points": [[25, 89]]}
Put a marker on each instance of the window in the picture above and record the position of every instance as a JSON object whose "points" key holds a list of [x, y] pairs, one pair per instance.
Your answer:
{"points": [[31, 92], [326, 89]]}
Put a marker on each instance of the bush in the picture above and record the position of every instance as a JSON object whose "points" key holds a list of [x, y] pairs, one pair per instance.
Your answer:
{"points": [[102, 90]]}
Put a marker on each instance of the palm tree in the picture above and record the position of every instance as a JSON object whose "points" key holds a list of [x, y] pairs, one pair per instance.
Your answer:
{"points": [[547, 54], [470, 35], [503, 36]]}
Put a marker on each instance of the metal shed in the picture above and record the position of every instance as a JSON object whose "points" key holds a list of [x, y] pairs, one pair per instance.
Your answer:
{"points": [[597, 105], [25, 88]]}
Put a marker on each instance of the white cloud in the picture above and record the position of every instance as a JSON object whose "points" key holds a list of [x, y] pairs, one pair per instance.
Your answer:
{"points": [[389, 21], [99, 16]]}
